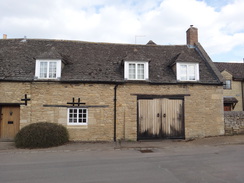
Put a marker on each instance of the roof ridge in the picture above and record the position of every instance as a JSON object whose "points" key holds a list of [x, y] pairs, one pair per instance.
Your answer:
{"points": [[86, 42]]}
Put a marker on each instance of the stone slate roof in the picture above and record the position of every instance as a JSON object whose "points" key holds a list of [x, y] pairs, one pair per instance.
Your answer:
{"points": [[97, 62], [235, 69]]}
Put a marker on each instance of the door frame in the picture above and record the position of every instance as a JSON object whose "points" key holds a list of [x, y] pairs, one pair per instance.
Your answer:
{"points": [[151, 97]]}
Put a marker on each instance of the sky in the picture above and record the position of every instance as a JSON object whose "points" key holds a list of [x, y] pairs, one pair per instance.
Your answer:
{"points": [[220, 22]]}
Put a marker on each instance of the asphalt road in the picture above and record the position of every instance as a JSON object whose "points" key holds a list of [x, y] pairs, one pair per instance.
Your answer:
{"points": [[183, 164]]}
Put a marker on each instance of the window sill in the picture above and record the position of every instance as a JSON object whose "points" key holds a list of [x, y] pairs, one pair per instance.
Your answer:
{"points": [[36, 78], [77, 126], [188, 81], [137, 80]]}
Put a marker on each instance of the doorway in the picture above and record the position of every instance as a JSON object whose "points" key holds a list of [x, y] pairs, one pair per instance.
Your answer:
{"points": [[9, 122], [160, 118]]}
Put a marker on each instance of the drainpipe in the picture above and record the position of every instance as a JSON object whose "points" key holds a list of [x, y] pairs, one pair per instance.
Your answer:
{"points": [[242, 89], [115, 109]]}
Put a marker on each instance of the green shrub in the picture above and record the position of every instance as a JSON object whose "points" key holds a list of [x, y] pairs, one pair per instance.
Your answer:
{"points": [[41, 135]]}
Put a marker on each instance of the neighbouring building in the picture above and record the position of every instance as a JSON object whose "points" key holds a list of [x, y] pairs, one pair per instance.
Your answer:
{"points": [[233, 74], [106, 91]]}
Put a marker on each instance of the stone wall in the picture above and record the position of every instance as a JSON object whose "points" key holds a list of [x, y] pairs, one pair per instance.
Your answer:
{"points": [[234, 122], [100, 119], [203, 107]]}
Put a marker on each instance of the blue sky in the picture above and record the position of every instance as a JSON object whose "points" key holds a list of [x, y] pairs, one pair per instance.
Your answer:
{"points": [[217, 4], [220, 22]]}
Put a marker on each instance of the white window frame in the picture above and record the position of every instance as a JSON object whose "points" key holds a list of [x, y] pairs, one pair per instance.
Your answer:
{"points": [[178, 71], [77, 123], [227, 84], [38, 67], [126, 70]]}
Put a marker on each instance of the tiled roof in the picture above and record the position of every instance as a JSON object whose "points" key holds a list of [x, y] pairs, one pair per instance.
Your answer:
{"points": [[235, 69], [96, 62], [230, 100]]}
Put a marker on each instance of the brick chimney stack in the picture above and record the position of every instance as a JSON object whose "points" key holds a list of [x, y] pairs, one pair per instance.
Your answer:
{"points": [[191, 36], [4, 36]]}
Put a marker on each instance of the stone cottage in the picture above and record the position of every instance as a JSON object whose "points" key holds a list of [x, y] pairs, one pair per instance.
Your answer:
{"points": [[233, 75], [106, 91]]}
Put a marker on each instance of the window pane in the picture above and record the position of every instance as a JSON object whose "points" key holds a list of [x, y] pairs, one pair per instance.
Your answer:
{"points": [[140, 71], [132, 71], [77, 116], [191, 72], [52, 69], [43, 69], [227, 84], [183, 72]]}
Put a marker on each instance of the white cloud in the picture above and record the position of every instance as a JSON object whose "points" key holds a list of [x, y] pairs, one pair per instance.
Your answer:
{"points": [[163, 21]]}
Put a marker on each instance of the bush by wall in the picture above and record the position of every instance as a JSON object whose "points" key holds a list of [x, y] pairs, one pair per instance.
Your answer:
{"points": [[41, 135]]}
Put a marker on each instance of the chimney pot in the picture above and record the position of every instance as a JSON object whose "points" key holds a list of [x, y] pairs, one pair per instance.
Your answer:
{"points": [[192, 36], [4, 36]]}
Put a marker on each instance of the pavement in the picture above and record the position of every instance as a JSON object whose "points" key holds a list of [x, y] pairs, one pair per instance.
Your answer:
{"points": [[8, 147]]}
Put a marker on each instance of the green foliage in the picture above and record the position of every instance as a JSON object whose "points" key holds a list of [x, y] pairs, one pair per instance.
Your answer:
{"points": [[41, 135]]}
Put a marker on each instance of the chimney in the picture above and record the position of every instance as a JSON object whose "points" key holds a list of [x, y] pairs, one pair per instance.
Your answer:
{"points": [[191, 36], [4, 36]]}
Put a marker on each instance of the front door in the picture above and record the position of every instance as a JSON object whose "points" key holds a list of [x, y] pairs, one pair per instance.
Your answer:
{"points": [[160, 118], [9, 122], [227, 107]]}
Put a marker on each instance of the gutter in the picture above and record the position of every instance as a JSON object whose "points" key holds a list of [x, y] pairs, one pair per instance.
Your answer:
{"points": [[115, 110]]}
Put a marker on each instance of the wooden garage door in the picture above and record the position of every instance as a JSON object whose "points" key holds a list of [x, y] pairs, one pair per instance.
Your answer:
{"points": [[160, 118], [9, 122]]}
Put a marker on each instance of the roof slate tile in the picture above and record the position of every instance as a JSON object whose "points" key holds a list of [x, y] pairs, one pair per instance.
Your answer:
{"points": [[95, 62], [236, 69]]}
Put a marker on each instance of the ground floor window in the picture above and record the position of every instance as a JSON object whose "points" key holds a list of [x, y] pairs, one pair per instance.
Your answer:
{"points": [[77, 116]]}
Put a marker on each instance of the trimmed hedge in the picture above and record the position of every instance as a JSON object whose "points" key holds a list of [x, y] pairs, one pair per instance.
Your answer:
{"points": [[41, 135]]}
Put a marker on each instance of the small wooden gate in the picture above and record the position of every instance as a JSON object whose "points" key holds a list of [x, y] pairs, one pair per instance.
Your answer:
{"points": [[160, 118], [9, 122]]}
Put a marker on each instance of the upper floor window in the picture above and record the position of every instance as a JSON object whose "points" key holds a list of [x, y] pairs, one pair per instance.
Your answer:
{"points": [[227, 84], [136, 70], [187, 71], [48, 69]]}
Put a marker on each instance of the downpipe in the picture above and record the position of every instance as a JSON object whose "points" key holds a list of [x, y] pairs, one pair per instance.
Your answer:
{"points": [[115, 110]]}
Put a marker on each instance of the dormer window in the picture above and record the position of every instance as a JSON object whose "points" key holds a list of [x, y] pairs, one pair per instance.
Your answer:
{"points": [[187, 71], [48, 69], [136, 70]]}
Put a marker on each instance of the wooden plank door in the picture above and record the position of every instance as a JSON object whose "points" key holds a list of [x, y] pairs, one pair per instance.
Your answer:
{"points": [[10, 122], [149, 125], [172, 112], [160, 118]]}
